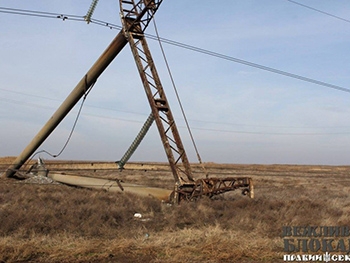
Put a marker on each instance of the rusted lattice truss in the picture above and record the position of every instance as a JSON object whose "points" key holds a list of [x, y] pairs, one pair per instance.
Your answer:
{"points": [[215, 186], [134, 31], [136, 16]]}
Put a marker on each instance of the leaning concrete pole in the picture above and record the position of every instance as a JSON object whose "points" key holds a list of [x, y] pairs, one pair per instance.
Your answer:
{"points": [[85, 83]]}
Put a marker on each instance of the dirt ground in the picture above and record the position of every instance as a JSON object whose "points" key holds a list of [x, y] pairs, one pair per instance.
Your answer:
{"points": [[59, 223]]}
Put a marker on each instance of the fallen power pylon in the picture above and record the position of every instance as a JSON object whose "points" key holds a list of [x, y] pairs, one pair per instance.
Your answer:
{"points": [[136, 16]]}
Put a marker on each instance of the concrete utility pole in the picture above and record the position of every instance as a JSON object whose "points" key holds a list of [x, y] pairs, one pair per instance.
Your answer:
{"points": [[85, 83], [144, 8]]}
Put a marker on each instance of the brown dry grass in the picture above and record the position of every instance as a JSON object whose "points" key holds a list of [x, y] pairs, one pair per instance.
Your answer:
{"points": [[57, 223]]}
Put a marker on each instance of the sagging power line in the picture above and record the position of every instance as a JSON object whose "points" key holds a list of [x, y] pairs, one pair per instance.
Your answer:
{"points": [[175, 43], [221, 130], [319, 11]]}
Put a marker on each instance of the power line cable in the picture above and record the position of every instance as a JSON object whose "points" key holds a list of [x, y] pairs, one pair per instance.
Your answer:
{"points": [[181, 45], [52, 99], [271, 133], [255, 65], [25, 11], [176, 92], [238, 131], [19, 102], [43, 14], [178, 99], [105, 24], [319, 11], [72, 130], [219, 123]]}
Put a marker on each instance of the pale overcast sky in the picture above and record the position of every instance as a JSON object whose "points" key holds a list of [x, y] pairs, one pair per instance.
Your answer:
{"points": [[238, 113]]}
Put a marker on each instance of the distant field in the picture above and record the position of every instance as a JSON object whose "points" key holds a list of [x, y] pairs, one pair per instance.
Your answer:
{"points": [[58, 223]]}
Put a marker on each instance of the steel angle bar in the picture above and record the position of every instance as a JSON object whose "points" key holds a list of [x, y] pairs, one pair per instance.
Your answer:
{"points": [[214, 186]]}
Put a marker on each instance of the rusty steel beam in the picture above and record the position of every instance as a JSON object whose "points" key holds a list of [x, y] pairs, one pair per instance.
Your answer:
{"points": [[215, 186]]}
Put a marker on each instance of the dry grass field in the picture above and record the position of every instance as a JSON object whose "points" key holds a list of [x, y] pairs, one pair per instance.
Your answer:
{"points": [[59, 223]]}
